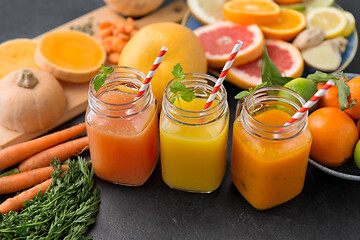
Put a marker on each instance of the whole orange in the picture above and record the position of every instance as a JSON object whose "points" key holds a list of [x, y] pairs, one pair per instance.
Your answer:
{"points": [[358, 126], [334, 136], [330, 99]]}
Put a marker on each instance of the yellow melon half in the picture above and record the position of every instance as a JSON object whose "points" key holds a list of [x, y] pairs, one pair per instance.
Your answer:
{"points": [[70, 55], [16, 54]]}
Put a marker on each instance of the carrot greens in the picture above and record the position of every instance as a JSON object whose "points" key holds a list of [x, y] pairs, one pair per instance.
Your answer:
{"points": [[64, 212]]}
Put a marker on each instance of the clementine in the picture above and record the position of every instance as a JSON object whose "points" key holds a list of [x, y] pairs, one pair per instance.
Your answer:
{"points": [[358, 126], [334, 136], [330, 99]]}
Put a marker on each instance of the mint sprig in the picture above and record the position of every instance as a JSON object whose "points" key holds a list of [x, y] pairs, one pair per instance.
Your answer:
{"points": [[250, 92], [100, 78], [343, 89], [178, 88]]}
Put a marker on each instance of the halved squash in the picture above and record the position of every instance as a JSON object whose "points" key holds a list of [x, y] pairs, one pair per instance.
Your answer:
{"points": [[16, 54], [70, 55]]}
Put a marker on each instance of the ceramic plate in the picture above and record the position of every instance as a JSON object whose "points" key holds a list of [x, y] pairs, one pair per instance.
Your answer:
{"points": [[349, 54]]}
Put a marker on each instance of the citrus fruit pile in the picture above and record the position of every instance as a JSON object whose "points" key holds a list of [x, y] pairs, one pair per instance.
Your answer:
{"points": [[263, 22], [335, 133]]}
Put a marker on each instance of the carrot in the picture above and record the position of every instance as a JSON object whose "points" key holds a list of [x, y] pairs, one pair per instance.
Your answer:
{"points": [[16, 153], [105, 24], [114, 57], [62, 152], [16, 203], [24, 180]]}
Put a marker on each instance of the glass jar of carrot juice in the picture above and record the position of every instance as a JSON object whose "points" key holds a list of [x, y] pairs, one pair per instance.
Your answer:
{"points": [[123, 133], [269, 160], [193, 142]]}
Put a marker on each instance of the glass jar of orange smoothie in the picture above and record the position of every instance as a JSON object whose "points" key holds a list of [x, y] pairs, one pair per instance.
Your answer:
{"points": [[269, 161], [123, 133], [193, 142]]}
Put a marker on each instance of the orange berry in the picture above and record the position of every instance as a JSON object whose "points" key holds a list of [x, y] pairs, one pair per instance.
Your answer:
{"points": [[105, 25], [114, 57], [118, 44], [106, 32], [334, 136]]}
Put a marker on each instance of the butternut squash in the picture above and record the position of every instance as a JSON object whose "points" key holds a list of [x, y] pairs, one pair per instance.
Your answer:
{"points": [[17, 53], [70, 55], [30, 100], [133, 8]]}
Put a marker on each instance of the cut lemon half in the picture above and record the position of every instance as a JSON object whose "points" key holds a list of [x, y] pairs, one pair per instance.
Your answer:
{"points": [[332, 20], [251, 11], [206, 11], [350, 24], [289, 24]]}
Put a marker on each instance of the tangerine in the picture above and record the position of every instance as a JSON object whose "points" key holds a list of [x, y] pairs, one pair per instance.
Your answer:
{"points": [[358, 126], [288, 2], [334, 136], [330, 99]]}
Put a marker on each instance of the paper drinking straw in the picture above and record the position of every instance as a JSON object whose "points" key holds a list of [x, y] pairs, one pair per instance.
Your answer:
{"points": [[223, 74], [151, 73], [321, 92]]}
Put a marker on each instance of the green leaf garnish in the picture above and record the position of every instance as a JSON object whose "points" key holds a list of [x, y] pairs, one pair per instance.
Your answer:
{"points": [[178, 72], [100, 78], [250, 92], [270, 72], [178, 88], [343, 89]]}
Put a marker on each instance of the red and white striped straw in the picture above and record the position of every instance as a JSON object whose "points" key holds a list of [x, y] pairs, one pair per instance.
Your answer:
{"points": [[312, 101], [223, 74], [151, 73]]}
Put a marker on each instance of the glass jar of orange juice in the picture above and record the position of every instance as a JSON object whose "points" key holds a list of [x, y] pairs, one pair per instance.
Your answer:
{"points": [[193, 142], [269, 160], [123, 133]]}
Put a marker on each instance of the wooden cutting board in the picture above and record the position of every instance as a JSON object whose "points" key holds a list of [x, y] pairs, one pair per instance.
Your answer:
{"points": [[77, 94]]}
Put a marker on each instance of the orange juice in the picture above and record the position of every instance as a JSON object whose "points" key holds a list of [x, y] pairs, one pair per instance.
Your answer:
{"points": [[193, 145], [268, 166], [123, 135]]}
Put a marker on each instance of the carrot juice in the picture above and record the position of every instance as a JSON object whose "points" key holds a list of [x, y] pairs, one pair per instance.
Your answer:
{"points": [[193, 143], [123, 133], [269, 161]]}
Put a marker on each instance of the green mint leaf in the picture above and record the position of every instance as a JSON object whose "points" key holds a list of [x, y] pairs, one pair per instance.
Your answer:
{"points": [[172, 100], [242, 94], [343, 94], [107, 70], [280, 81], [99, 80], [187, 95], [268, 69], [178, 72], [321, 76], [259, 86], [177, 86]]}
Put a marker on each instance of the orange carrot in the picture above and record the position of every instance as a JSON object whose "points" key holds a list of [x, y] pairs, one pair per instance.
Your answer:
{"points": [[62, 152], [24, 180], [16, 153], [16, 203], [105, 24], [114, 57]]}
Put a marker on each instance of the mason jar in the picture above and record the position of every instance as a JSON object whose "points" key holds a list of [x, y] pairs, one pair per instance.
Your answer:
{"points": [[269, 160], [193, 141], [123, 132]]}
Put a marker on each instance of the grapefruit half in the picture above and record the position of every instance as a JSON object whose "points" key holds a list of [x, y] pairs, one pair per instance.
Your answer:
{"points": [[284, 55], [219, 39]]}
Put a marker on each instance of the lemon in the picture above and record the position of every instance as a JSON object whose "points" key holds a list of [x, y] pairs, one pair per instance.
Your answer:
{"points": [[207, 11], [350, 24], [305, 87], [317, 3], [357, 154], [332, 20]]}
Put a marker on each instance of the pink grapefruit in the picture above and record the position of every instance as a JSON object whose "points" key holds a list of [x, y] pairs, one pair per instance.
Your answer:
{"points": [[284, 55], [219, 39]]}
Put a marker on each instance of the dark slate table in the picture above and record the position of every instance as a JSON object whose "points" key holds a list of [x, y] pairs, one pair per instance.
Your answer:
{"points": [[327, 208]]}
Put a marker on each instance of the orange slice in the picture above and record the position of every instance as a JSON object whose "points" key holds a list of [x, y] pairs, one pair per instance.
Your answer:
{"points": [[218, 40], [288, 25], [288, 2], [251, 11]]}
